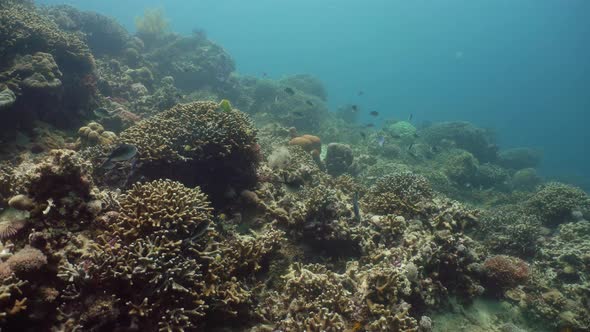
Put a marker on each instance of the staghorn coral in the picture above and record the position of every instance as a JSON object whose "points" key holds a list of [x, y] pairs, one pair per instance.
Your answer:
{"points": [[198, 145], [12, 301], [162, 207]]}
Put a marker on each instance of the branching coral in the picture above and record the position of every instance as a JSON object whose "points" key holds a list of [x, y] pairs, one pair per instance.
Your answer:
{"points": [[555, 202], [163, 207], [398, 193]]}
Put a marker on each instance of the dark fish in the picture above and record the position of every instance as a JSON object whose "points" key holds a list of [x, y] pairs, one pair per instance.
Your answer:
{"points": [[179, 96], [410, 117], [396, 136], [354, 108], [370, 125], [416, 135], [309, 103], [102, 112], [355, 206], [264, 74], [363, 135], [298, 113], [123, 152], [410, 147], [360, 93], [374, 113], [289, 91]]}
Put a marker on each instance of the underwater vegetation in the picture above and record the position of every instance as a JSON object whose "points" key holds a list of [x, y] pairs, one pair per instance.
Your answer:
{"points": [[146, 185]]}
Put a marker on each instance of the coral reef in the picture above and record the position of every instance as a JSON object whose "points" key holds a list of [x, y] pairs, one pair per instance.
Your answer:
{"points": [[554, 203], [463, 135], [198, 145], [226, 219], [339, 158]]}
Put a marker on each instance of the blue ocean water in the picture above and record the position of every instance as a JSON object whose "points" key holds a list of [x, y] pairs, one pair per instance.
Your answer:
{"points": [[521, 67]]}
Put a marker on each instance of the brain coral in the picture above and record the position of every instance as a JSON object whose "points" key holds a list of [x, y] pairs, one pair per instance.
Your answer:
{"points": [[198, 144]]}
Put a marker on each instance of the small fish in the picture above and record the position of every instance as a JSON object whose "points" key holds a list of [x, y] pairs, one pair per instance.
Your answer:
{"points": [[381, 140], [410, 117], [360, 93], [374, 113], [308, 102], [289, 91], [264, 74], [102, 112], [396, 136], [355, 206], [363, 135], [123, 152], [298, 113], [410, 146], [370, 125], [354, 108], [179, 96]]}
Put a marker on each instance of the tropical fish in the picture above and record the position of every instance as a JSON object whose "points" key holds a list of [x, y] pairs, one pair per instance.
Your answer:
{"points": [[360, 93], [297, 113], [354, 108], [410, 117], [308, 102], [363, 135], [374, 113], [381, 140], [225, 105], [370, 125], [102, 112], [410, 146], [123, 152], [355, 206], [289, 91]]}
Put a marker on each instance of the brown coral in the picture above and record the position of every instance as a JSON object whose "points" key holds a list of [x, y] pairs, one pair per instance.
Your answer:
{"points": [[26, 261], [198, 145], [506, 271], [309, 143], [163, 207], [94, 134]]}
